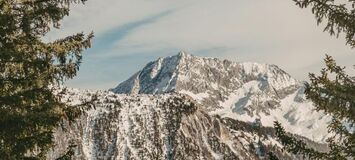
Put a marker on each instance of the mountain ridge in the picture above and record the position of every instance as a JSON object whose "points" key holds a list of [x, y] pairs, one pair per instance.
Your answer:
{"points": [[188, 107], [173, 64], [164, 126], [240, 90]]}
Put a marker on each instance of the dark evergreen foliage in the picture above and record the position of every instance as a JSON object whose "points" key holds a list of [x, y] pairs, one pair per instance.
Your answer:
{"points": [[335, 97], [339, 17], [333, 91], [272, 156], [29, 68], [295, 146]]}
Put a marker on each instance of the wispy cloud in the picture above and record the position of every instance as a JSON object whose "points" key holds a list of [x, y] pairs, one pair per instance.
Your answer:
{"points": [[130, 33], [99, 62], [104, 42]]}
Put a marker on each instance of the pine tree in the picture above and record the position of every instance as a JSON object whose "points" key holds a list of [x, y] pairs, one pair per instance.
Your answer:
{"points": [[29, 109], [339, 17], [272, 156], [332, 92]]}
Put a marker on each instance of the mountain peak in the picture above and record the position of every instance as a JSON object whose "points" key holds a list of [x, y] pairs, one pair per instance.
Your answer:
{"points": [[183, 54], [243, 91], [187, 72]]}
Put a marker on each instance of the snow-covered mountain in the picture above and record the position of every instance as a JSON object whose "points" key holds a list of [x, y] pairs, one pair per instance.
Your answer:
{"points": [[185, 107], [166, 126], [241, 91]]}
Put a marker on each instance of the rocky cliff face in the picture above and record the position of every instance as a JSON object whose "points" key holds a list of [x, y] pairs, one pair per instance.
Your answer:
{"points": [[167, 126], [187, 107], [242, 91], [185, 72]]}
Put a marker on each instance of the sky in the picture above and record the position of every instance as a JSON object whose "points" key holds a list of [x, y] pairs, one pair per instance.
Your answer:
{"points": [[131, 33]]}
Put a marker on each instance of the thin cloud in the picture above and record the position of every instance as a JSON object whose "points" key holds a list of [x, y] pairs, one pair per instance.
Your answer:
{"points": [[139, 31], [104, 42]]}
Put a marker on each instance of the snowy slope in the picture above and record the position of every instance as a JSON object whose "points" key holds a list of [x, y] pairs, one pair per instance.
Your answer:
{"points": [[165, 126], [242, 91]]}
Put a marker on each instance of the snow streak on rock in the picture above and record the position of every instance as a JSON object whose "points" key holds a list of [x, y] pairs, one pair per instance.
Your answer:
{"points": [[167, 126], [187, 108], [242, 91]]}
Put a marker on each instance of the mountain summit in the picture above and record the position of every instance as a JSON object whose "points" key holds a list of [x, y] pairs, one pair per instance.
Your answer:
{"points": [[242, 91], [188, 107], [191, 73]]}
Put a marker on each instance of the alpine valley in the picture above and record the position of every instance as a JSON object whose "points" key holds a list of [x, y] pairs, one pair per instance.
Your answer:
{"points": [[187, 107]]}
